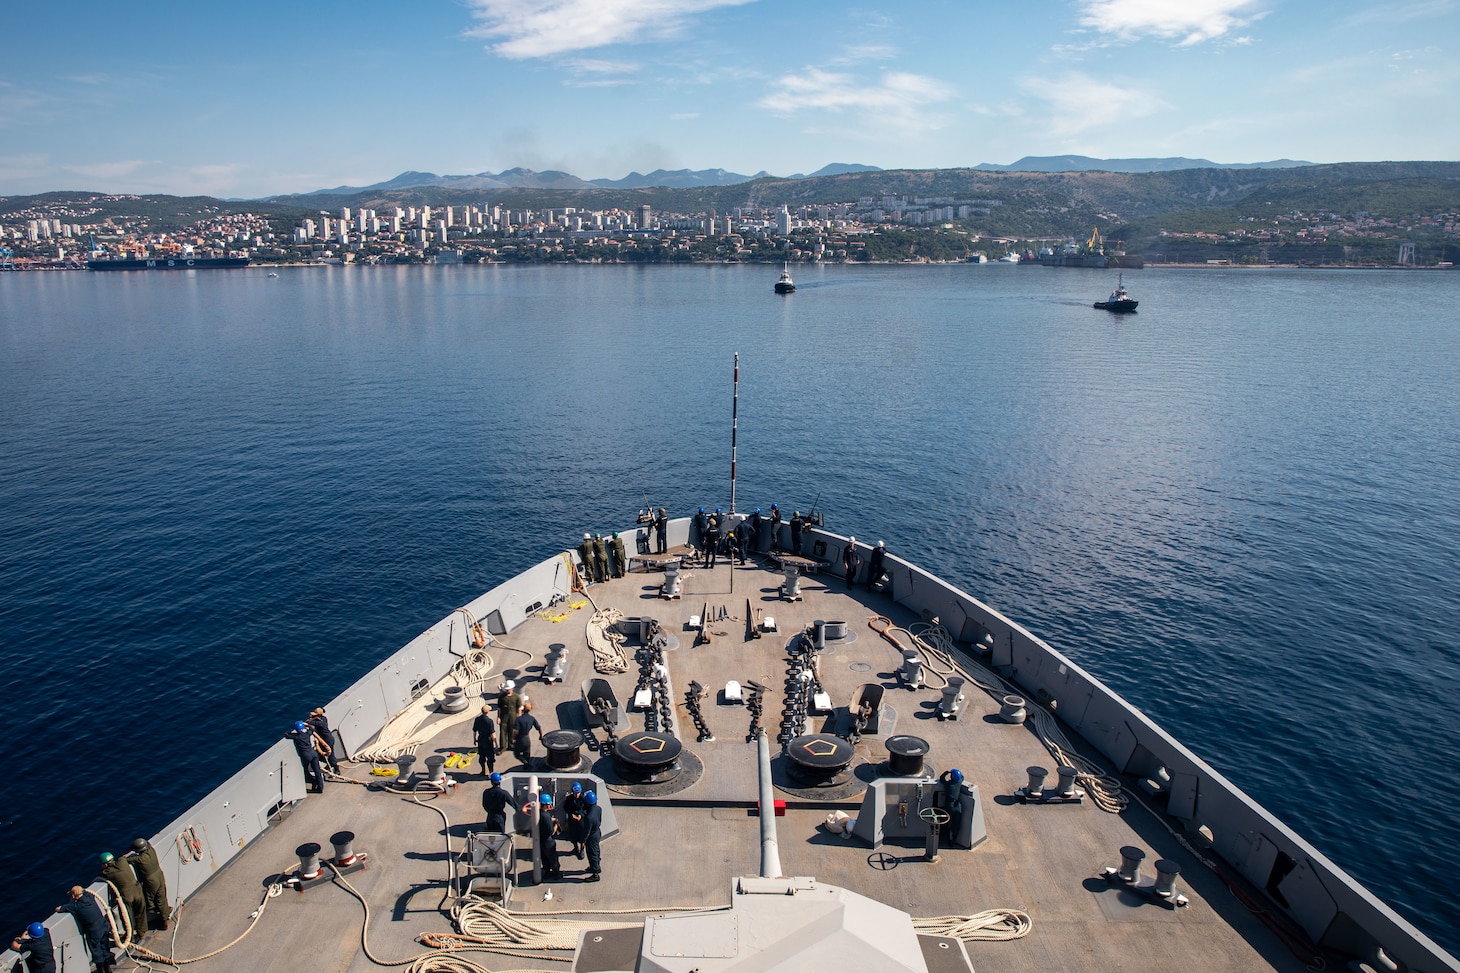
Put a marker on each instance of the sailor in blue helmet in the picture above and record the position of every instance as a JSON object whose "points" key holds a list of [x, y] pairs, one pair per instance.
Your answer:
{"points": [[494, 801], [303, 737], [755, 525], [573, 807], [35, 945], [952, 782], [592, 833], [547, 835], [93, 925]]}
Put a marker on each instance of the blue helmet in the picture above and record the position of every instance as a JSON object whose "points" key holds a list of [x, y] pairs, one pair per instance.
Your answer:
{"points": [[496, 778], [591, 797], [35, 931], [955, 775], [300, 727], [577, 787], [546, 800], [702, 510], [757, 510]]}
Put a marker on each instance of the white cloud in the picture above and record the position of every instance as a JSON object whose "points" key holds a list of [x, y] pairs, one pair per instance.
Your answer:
{"points": [[1189, 21], [1081, 105], [600, 66], [858, 53], [541, 28], [897, 98]]}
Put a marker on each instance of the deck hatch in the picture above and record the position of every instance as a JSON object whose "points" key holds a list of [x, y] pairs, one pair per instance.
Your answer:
{"points": [[708, 937]]}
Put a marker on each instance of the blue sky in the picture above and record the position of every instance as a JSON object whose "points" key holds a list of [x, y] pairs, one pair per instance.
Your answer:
{"points": [[249, 99]]}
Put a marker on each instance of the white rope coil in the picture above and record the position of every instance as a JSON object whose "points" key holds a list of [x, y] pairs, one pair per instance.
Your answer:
{"points": [[937, 646], [994, 925], [607, 642]]}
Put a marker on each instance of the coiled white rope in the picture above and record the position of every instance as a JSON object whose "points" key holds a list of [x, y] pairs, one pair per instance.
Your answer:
{"points": [[607, 642], [994, 925], [937, 648], [404, 733], [142, 953]]}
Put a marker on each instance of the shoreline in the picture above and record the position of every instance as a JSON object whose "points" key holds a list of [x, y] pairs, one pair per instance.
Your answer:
{"points": [[756, 263]]}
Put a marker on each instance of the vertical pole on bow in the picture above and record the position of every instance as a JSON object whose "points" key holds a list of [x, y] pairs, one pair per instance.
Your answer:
{"points": [[734, 428]]}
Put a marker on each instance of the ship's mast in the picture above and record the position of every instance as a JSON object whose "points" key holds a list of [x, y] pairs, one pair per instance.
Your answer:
{"points": [[734, 428]]}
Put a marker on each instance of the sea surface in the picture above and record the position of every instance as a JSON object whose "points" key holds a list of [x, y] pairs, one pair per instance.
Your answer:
{"points": [[225, 495]]}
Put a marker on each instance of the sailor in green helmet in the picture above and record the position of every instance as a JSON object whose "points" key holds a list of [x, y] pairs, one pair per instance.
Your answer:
{"points": [[120, 875], [618, 556], [600, 559], [585, 554]]}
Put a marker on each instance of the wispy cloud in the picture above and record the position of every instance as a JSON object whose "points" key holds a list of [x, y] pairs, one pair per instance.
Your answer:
{"points": [[1397, 13], [861, 53], [590, 65], [108, 171], [522, 29], [1187, 22], [897, 99], [1078, 104]]}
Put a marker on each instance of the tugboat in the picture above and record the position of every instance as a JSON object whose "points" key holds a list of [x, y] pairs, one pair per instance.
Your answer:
{"points": [[785, 285], [1119, 301]]}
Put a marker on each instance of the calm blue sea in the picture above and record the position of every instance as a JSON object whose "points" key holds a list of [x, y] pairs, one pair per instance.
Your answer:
{"points": [[223, 496]]}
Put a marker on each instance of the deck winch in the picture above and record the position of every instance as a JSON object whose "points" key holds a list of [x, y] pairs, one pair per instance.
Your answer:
{"points": [[1161, 889], [313, 871], [1065, 792], [910, 674]]}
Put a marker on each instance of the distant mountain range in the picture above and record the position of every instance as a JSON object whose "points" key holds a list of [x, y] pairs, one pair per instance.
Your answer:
{"points": [[697, 178], [1083, 163], [553, 179]]}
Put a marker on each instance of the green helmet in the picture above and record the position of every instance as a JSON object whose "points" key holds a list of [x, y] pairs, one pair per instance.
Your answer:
{"points": [[106, 857]]}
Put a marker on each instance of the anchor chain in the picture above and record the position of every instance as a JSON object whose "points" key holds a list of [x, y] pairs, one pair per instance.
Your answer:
{"points": [[755, 703], [692, 703]]}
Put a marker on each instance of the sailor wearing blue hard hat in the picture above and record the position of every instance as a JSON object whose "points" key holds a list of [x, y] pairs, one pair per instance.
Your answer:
{"points": [[494, 801], [573, 808], [303, 738], [35, 946], [547, 836], [592, 834]]}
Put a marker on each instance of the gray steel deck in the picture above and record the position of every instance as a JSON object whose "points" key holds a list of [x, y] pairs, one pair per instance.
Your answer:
{"points": [[1043, 860]]}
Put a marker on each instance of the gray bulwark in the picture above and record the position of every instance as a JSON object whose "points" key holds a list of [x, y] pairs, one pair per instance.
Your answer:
{"points": [[784, 924]]}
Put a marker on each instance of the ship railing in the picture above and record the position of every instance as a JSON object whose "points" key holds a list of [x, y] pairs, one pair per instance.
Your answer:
{"points": [[1328, 904]]}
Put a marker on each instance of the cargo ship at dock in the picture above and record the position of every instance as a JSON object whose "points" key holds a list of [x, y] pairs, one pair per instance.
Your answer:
{"points": [[166, 263]]}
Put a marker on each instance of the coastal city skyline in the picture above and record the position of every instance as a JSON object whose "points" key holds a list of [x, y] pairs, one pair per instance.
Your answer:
{"points": [[200, 100]]}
